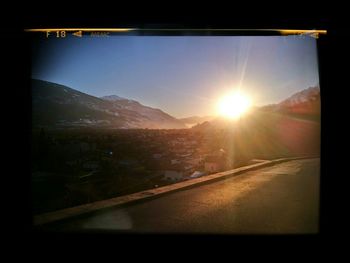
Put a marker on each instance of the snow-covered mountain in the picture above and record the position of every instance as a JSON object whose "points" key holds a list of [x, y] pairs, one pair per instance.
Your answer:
{"points": [[305, 102], [307, 95], [113, 98], [289, 128], [58, 105]]}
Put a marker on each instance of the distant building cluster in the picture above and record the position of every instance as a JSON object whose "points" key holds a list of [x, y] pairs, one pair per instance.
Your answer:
{"points": [[122, 161]]}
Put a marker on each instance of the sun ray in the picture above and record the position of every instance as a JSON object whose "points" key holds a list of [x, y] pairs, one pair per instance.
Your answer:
{"points": [[234, 105]]}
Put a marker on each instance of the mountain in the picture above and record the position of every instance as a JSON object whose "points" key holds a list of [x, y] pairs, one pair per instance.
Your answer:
{"points": [[193, 120], [305, 103], [306, 95], [150, 117], [60, 106], [289, 128], [113, 98]]}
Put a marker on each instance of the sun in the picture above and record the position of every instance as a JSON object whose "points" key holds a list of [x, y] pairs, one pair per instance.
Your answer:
{"points": [[234, 105]]}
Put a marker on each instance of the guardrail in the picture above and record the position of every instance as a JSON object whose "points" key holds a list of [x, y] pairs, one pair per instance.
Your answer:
{"points": [[152, 193]]}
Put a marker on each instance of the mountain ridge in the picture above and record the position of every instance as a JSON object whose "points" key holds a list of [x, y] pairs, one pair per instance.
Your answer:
{"points": [[58, 105], [304, 104]]}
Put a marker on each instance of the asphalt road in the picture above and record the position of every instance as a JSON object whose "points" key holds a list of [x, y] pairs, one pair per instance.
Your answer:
{"points": [[281, 199]]}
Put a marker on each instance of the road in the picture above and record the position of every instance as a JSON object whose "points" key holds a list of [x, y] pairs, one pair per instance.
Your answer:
{"points": [[281, 199]]}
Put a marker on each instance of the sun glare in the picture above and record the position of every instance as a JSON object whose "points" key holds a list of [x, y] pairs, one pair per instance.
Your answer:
{"points": [[234, 105]]}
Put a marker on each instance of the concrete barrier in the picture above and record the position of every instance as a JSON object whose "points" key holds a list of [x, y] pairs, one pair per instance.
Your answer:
{"points": [[152, 193]]}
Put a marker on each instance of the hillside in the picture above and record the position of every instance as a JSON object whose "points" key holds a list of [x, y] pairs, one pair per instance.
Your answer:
{"points": [[289, 128], [55, 105]]}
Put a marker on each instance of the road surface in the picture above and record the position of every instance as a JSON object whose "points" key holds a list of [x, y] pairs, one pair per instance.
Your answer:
{"points": [[280, 199]]}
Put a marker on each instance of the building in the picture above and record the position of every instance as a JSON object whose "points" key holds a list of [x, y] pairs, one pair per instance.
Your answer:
{"points": [[175, 161], [214, 164], [172, 175], [195, 161], [157, 155], [212, 167], [197, 174]]}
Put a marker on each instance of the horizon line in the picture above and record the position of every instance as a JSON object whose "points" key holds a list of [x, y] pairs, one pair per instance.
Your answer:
{"points": [[181, 117]]}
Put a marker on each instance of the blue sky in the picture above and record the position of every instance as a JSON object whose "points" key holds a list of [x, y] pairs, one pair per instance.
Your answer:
{"points": [[182, 75]]}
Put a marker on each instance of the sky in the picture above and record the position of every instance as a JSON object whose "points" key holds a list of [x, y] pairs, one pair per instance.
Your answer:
{"points": [[181, 75]]}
